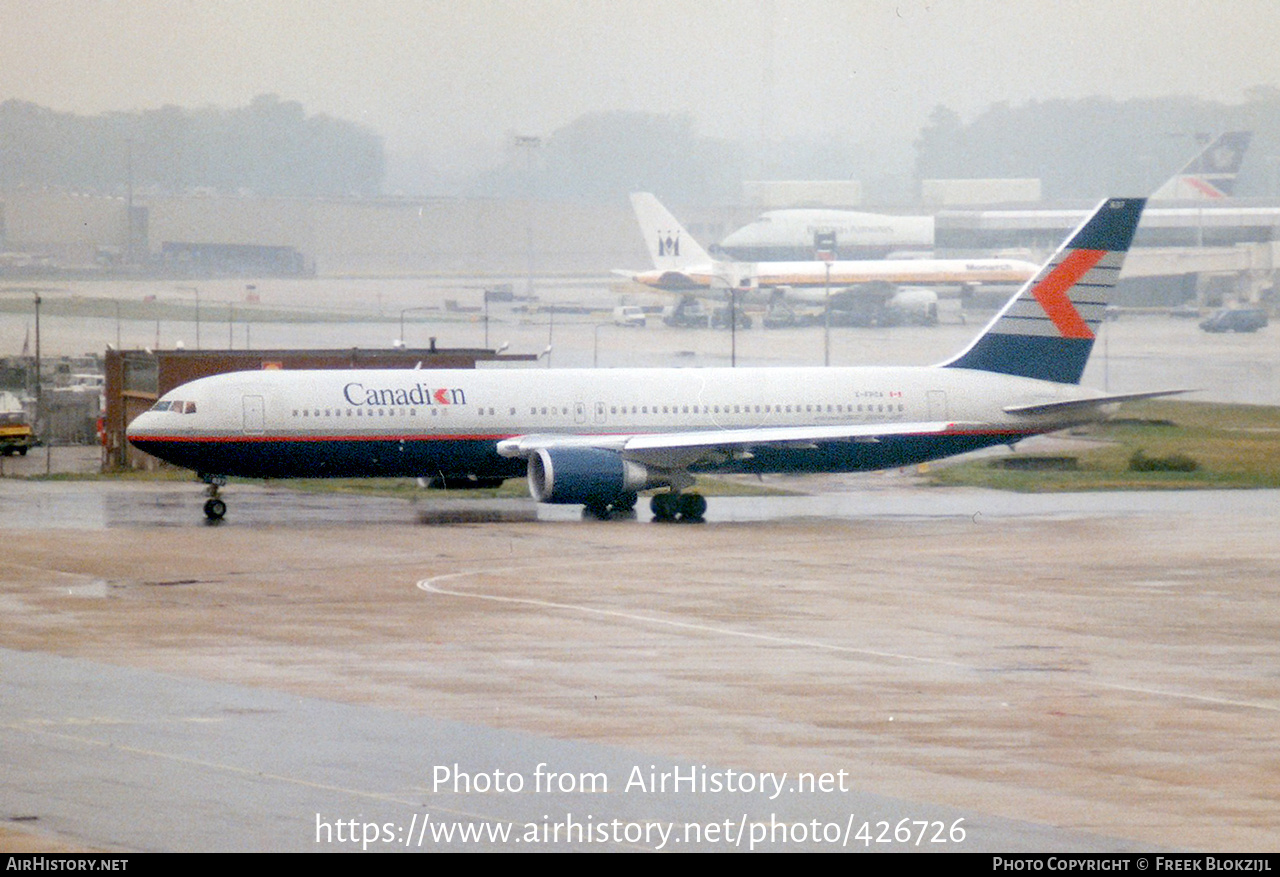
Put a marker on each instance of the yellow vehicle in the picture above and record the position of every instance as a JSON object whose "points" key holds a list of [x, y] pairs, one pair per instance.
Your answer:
{"points": [[15, 433]]}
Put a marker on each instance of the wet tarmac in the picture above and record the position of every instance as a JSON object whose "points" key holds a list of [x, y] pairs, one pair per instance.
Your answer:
{"points": [[1048, 672], [191, 766], [879, 496]]}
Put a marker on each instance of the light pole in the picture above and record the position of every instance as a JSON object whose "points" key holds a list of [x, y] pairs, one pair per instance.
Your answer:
{"points": [[733, 276], [551, 330], [529, 144], [39, 418], [486, 319], [733, 326], [418, 308], [595, 346], [824, 245], [37, 426], [196, 291], [826, 319]]}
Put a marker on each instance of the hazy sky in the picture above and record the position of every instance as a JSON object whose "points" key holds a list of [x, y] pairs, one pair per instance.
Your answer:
{"points": [[457, 77]]}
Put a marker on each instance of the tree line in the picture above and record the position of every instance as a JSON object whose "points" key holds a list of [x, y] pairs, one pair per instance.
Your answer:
{"points": [[1095, 147], [1080, 149], [270, 147]]}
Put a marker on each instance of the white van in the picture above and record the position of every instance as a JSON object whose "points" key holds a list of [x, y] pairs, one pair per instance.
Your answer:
{"points": [[628, 315]]}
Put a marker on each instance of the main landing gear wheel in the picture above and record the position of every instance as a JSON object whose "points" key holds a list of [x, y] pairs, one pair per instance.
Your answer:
{"points": [[621, 506], [214, 507], [688, 507]]}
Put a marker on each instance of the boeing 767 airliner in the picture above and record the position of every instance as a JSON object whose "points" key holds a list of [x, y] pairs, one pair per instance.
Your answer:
{"points": [[599, 437]]}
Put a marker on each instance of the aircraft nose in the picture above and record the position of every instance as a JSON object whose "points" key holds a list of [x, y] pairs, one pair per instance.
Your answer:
{"points": [[142, 425]]}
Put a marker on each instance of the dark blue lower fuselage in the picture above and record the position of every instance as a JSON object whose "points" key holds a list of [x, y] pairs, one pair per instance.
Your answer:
{"points": [[415, 457]]}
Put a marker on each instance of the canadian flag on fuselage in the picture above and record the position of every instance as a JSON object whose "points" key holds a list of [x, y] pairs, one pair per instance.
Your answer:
{"points": [[1047, 330]]}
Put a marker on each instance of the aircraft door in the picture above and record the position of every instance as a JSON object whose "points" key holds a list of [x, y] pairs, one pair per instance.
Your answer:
{"points": [[937, 404], [600, 413], [254, 418], [579, 412]]}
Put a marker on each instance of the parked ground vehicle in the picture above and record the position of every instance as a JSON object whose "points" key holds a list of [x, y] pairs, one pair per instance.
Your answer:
{"points": [[628, 315], [691, 313], [720, 318], [15, 433], [1235, 320], [687, 314]]}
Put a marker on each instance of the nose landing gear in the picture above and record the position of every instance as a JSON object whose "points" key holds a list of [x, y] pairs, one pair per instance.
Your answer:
{"points": [[214, 507]]}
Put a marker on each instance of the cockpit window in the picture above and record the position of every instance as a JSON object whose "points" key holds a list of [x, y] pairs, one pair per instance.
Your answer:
{"points": [[174, 405]]}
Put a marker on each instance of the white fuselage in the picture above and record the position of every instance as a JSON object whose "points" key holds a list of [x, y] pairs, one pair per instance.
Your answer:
{"points": [[807, 280], [416, 422], [789, 234]]}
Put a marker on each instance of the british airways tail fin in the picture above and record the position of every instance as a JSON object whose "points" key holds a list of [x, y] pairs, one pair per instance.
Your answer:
{"points": [[1211, 175], [1046, 331], [670, 246]]}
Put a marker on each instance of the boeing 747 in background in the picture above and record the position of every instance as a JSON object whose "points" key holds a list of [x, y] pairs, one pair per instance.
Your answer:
{"points": [[599, 437], [681, 265], [788, 233]]}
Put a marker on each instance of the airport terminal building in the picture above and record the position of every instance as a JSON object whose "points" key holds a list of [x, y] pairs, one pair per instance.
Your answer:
{"points": [[1184, 249]]}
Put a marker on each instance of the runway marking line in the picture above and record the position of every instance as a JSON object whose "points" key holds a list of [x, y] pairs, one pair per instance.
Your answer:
{"points": [[27, 728], [431, 586]]}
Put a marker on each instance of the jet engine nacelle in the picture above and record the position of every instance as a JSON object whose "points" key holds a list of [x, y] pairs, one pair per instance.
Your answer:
{"points": [[590, 476]]}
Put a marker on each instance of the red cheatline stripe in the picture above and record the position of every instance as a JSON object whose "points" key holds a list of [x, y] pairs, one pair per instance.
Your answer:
{"points": [[1206, 188], [201, 439], [1053, 292], [319, 438]]}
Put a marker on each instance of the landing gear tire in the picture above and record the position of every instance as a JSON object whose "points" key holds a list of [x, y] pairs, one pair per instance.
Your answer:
{"points": [[214, 507], [687, 507], [663, 506], [692, 507], [597, 510], [621, 507]]}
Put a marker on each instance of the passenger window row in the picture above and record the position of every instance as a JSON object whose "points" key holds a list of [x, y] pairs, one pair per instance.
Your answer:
{"points": [[558, 411]]}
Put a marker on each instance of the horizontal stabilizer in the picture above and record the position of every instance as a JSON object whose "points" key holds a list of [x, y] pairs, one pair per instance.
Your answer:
{"points": [[1088, 404]]}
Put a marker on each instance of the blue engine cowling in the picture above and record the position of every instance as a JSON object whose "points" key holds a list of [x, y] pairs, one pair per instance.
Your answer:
{"points": [[590, 476]]}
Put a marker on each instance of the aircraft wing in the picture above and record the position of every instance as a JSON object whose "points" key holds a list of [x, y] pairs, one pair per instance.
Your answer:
{"points": [[677, 450]]}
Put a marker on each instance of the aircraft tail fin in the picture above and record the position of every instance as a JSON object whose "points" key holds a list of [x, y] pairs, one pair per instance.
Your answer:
{"points": [[1047, 330], [670, 246], [1211, 175]]}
